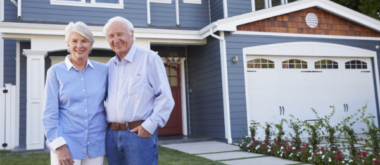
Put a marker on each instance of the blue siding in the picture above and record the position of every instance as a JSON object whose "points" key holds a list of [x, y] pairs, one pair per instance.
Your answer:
{"points": [[10, 10], [236, 43], [23, 71], [237, 7], [163, 14], [9, 62], [194, 15], [206, 98], [216, 7], [41, 10]]}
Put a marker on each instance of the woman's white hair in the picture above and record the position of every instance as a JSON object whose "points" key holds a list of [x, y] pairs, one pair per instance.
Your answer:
{"points": [[80, 28], [118, 19]]}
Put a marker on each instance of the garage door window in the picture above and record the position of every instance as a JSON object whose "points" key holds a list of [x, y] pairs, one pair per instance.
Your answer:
{"points": [[326, 64], [294, 64], [356, 64], [260, 63]]}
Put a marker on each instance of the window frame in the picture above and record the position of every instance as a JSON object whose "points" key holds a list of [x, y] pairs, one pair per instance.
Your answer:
{"points": [[365, 63], [193, 1], [301, 62], [93, 3], [161, 1], [333, 63], [268, 60]]}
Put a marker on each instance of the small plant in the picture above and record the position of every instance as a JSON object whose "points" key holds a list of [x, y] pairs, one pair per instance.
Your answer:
{"points": [[268, 133], [331, 137], [253, 129], [280, 131], [371, 132], [297, 130]]}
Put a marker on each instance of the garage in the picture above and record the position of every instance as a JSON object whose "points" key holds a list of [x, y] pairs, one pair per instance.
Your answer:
{"points": [[279, 86]]}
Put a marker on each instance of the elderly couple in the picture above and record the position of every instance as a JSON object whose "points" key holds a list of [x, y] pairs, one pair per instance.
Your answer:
{"points": [[134, 84]]}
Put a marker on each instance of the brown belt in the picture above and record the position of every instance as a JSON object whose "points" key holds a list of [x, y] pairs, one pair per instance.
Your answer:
{"points": [[123, 126]]}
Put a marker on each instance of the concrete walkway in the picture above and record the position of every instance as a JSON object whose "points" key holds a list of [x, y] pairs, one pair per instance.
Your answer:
{"points": [[227, 154]]}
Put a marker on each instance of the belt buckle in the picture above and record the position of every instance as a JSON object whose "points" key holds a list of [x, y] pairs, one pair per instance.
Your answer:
{"points": [[116, 126]]}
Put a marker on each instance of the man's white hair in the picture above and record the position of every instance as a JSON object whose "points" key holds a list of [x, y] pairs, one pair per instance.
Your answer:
{"points": [[118, 19], [80, 28]]}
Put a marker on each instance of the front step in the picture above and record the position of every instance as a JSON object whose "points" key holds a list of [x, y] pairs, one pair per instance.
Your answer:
{"points": [[177, 139]]}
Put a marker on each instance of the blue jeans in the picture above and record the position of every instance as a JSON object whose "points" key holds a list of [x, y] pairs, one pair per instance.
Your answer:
{"points": [[127, 148]]}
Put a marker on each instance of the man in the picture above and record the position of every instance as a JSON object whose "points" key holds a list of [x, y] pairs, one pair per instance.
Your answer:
{"points": [[139, 98]]}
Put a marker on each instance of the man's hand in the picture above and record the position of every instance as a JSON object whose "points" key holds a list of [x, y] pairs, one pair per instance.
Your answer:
{"points": [[64, 156], [141, 131]]}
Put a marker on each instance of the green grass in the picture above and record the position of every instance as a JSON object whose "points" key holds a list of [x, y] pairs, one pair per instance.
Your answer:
{"points": [[166, 157]]}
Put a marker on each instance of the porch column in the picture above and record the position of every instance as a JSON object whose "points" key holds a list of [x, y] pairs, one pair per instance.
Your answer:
{"points": [[34, 98]]}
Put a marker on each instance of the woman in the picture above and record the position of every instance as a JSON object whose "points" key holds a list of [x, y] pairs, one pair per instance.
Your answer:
{"points": [[74, 116]]}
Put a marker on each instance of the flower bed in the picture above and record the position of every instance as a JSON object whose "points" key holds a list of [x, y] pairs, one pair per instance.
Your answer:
{"points": [[312, 152]]}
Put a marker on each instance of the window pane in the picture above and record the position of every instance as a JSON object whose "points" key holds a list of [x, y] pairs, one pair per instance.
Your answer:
{"points": [[276, 2], [88, 1], [173, 81], [270, 65], [291, 61], [107, 1], [335, 66], [298, 66], [167, 70], [365, 66], [358, 66], [259, 4], [298, 61], [317, 66], [291, 65], [285, 65], [264, 65], [304, 66], [173, 72], [348, 66], [249, 65], [264, 60], [329, 66], [257, 66], [256, 61]]}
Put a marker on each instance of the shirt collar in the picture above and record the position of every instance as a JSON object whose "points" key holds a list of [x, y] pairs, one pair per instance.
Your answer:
{"points": [[69, 64], [130, 55]]}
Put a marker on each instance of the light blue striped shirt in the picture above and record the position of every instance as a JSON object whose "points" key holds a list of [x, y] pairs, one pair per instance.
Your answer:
{"points": [[138, 89], [74, 111]]}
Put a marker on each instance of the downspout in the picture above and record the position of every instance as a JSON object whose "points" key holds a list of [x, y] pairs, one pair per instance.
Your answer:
{"points": [[148, 12], [225, 11], [226, 98], [19, 9], [177, 12]]}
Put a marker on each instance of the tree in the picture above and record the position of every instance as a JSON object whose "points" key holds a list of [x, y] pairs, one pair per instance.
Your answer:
{"points": [[367, 7]]}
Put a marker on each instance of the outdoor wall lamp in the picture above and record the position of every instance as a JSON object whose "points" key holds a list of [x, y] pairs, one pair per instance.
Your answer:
{"points": [[235, 59], [377, 46]]}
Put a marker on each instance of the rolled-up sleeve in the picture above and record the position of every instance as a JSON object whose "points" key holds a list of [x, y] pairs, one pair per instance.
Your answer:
{"points": [[51, 111], [163, 103]]}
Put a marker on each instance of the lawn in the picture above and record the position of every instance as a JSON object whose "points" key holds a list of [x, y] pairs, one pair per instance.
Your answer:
{"points": [[166, 156]]}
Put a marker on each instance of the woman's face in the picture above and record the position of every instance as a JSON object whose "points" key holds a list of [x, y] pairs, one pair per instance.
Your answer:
{"points": [[79, 46]]}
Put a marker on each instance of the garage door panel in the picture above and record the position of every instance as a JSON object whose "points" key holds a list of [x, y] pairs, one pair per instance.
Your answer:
{"points": [[299, 90]]}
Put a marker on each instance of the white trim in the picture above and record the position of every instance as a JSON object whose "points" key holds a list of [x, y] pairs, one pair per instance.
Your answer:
{"points": [[306, 49], [225, 9], [35, 98], [253, 4], [148, 12], [1, 61], [84, 4], [17, 92], [266, 3], [229, 24], [177, 12], [18, 8], [193, 1], [161, 1], [2, 10], [306, 35], [282, 2], [50, 29], [269, 3]]}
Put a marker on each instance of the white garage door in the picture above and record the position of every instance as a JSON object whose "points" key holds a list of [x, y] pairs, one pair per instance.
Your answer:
{"points": [[280, 86]]}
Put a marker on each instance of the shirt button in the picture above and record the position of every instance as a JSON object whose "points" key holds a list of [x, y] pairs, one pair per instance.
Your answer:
{"points": [[86, 120], [85, 100], [85, 110], [86, 130], [81, 78], [88, 142], [83, 90]]}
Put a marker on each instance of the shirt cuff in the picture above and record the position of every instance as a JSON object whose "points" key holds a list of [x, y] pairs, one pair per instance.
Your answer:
{"points": [[149, 126], [57, 143]]}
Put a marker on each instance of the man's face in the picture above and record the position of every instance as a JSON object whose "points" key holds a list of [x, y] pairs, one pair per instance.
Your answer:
{"points": [[120, 38]]}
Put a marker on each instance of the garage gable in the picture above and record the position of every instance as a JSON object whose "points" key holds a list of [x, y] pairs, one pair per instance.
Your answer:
{"points": [[296, 22]]}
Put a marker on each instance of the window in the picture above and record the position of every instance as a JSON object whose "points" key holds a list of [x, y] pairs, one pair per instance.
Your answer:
{"points": [[326, 64], [260, 63], [193, 1], [294, 64], [275, 3], [356, 64], [161, 1], [116, 4], [259, 4]]}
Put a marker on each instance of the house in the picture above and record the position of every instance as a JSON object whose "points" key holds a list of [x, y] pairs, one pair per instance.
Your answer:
{"points": [[228, 61]]}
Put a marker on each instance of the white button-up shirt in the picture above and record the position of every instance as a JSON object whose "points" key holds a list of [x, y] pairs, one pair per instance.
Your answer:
{"points": [[138, 89]]}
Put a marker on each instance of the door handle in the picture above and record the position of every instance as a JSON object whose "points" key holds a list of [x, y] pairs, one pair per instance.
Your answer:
{"points": [[283, 110], [280, 111], [347, 107], [344, 105]]}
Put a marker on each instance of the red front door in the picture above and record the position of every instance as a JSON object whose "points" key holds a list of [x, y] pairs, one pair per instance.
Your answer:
{"points": [[174, 124]]}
